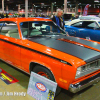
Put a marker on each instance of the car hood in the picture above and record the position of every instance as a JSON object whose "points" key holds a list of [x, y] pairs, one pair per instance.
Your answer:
{"points": [[79, 48]]}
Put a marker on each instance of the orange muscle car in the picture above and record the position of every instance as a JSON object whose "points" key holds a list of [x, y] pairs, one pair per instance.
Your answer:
{"points": [[39, 45]]}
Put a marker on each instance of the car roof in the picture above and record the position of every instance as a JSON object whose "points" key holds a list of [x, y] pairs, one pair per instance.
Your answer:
{"points": [[89, 18], [24, 19], [78, 20]]}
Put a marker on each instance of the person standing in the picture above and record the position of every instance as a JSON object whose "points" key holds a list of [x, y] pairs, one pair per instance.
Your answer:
{"points": [[7, 15], [2, 15], [58, 18]]}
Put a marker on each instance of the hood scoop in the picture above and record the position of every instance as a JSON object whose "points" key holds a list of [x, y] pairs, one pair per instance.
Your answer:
{"points": [[79, 44]]}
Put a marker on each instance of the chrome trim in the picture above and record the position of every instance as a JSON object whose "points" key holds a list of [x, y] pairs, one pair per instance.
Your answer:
{"points": [[79, 86]]}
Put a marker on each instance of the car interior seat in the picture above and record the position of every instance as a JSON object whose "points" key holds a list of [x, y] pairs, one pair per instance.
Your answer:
{"points": [[48, 28], [24, 31], [35, 32], [3, 32], [13, 33]]}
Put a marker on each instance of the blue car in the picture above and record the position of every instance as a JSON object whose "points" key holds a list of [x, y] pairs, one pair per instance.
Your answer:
{"points": [[84, 28]]}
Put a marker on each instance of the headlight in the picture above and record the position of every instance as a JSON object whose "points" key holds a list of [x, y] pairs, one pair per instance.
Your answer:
{"points": [[78, 71], [88, 68]]}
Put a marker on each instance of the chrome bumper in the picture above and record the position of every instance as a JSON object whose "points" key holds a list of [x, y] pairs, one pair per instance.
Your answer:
{"points": [[83, 84]]}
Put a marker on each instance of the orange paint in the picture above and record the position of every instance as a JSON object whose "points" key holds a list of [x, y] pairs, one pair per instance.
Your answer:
{"points": [[18, 52]]}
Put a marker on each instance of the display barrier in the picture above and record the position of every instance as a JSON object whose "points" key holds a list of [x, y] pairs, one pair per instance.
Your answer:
{"points": [[41, 88]]}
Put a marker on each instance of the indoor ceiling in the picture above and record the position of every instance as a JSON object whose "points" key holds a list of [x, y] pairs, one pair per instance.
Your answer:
{"points": [[13, 4]]}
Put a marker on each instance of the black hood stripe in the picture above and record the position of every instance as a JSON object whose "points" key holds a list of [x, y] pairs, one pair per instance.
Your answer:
{"points": [[85, 42], [83, 53], [77, 43]]}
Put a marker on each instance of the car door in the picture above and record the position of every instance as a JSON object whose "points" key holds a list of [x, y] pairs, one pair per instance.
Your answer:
{"points": [[76, 29], [92, 30], [72, 31], [81, 31], [11, 41], [87, 30]]}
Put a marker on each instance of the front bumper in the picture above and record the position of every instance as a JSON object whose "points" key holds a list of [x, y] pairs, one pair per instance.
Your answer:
{"points": [[83, 84]]}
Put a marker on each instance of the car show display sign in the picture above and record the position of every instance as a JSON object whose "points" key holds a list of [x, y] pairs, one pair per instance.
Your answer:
{"points": [[7, 78], [41, 88]]}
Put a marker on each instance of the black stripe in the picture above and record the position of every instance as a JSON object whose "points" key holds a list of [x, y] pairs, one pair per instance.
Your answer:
{"points": [[88, 43], [81, 52], [36, 51]]}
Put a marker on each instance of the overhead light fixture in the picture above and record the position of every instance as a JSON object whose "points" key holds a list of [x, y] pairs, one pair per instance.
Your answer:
{"points": [[96, 0]]}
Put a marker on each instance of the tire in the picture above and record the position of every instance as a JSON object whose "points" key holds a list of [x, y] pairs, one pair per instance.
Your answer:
{"points": [[46, 73]]}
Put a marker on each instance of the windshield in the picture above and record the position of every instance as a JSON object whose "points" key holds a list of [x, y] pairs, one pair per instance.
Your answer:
{"points": [[37, 28]]}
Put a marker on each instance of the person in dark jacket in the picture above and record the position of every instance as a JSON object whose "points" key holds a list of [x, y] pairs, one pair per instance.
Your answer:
{"points": [[23, 15], [7, 15], [58, 18], [2, 15]]}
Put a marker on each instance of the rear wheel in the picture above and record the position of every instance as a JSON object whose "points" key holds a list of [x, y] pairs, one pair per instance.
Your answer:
{"points": [[46, 73]]}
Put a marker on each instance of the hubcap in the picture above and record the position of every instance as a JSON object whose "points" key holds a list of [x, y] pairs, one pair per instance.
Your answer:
{"points": [[43, 74]]}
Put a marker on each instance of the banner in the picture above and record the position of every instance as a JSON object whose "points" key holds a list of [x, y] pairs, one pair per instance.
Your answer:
{"points": [[86, 10]]}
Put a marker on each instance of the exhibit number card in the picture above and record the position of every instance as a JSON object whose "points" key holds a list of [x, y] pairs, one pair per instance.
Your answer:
{"points": [[41, 88]]}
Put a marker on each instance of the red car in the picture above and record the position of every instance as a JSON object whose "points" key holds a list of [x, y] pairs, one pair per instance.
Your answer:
{"points": [[39, 45]]}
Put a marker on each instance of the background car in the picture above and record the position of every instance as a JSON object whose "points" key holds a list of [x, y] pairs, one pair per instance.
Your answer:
{"points": [[89, 17], [84, 28], [67, 17]]}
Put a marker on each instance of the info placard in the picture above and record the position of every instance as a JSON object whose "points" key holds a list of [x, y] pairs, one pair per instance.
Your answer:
{"points": [[41, 88]]}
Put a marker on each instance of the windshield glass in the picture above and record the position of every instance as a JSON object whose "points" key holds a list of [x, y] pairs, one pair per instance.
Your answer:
{"points": [[37, 28]]}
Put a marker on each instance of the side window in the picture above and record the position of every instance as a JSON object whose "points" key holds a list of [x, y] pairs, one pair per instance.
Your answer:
{"points": [[78, 24], [10, 29], [30, 28], [92, 25]]}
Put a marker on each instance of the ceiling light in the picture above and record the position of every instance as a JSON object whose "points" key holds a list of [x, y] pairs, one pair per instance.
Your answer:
{"points": [[96, 0]]}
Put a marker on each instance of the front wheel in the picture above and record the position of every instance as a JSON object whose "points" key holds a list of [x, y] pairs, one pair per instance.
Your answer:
{"points": [[46, 73]]}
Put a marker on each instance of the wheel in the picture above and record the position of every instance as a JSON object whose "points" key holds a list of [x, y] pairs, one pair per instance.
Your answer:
{"points": [[46, 73]]}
